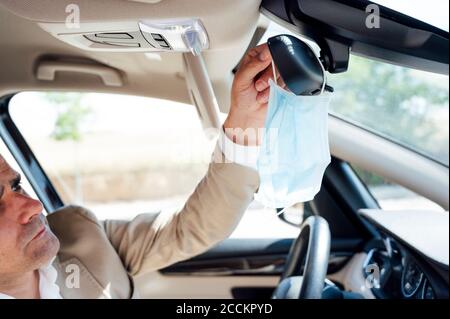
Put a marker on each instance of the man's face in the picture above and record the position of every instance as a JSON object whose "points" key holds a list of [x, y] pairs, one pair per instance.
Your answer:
{"points": [[26, 242]]}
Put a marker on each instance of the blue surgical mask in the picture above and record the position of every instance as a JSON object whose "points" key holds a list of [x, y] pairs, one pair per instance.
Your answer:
{"points": [[294, 152]]}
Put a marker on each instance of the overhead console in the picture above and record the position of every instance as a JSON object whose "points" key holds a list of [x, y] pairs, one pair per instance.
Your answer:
{"points": [[176, 35], [143, 25]]}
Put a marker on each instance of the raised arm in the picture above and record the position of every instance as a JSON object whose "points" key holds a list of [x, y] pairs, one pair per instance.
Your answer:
{"points": [[153, 241]]}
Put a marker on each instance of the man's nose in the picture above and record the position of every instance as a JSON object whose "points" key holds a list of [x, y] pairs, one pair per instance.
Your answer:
{"points": [[28, 208]]}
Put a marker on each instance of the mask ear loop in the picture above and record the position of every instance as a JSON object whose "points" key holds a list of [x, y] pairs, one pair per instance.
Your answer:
{"points": [[281, 211], [274, 73], [324, 76]]}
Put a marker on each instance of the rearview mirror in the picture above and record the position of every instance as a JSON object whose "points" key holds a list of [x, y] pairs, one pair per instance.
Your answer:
{"points": [[301, 70]]}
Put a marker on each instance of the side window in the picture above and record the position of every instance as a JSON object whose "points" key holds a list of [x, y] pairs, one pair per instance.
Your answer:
{"points": [[6, 154], [393, 196], [122, 155]]}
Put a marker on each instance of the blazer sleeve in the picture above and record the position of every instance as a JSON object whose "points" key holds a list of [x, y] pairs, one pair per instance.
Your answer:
{"points": [[154, 241]]}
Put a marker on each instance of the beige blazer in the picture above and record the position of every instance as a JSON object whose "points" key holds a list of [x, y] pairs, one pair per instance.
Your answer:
{"points": [[97, 259]]}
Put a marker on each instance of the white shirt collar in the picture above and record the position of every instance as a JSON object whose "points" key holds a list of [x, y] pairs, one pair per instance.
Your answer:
{"points": [[48, 288]]}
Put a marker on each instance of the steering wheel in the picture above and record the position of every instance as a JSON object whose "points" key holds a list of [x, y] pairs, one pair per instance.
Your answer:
{"points": [[311, 249]]}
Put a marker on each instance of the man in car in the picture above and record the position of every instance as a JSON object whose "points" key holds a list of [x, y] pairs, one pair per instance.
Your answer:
{"points": [[70, 254]]}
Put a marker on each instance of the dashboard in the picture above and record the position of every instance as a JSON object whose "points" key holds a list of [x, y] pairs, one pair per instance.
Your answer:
{"points": [[394, 273], [409, 256]]}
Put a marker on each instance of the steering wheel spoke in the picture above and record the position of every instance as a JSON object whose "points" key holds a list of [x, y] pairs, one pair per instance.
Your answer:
{"points": [[307, 262]]}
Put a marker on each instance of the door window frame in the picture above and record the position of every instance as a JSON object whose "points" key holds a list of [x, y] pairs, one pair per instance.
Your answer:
{"points": [[25, 158]]}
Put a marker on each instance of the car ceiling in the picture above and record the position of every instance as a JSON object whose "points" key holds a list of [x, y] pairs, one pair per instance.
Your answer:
{"points": [[23, 42]]}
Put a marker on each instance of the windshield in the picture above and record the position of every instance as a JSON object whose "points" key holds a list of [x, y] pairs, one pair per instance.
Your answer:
{"points": [[434, 12], [407, 106]]}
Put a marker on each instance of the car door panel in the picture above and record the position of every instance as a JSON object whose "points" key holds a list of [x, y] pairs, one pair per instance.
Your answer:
{"points": [[237, 268]]}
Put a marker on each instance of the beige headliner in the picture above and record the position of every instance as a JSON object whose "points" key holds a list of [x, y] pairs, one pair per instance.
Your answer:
{"points": [[22, 42]]}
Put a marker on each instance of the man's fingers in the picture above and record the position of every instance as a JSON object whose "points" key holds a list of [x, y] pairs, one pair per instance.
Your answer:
{"points": [[263, 81], [263, 97], [254, 52], [256, 61]]}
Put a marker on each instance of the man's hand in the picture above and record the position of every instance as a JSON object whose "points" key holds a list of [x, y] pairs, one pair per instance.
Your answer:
{"points": [[249, 96]]}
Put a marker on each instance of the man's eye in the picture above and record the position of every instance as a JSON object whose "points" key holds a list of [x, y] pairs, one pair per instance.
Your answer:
{"points": [[17, 187]]}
